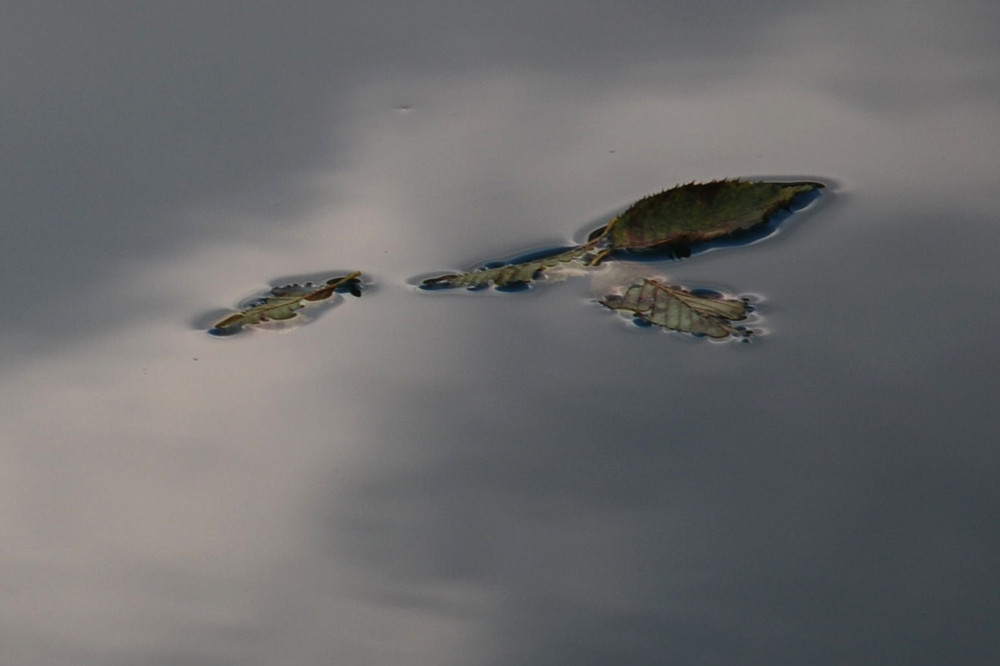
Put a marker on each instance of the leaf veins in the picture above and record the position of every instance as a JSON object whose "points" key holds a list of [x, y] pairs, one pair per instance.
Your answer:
{"points": [[678, 309]]}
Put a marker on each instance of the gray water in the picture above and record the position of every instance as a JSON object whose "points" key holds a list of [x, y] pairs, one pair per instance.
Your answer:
{"points": [[458, 478]]}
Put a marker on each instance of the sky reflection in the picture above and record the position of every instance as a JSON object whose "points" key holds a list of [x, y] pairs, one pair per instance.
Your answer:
{"points": [[432, 479]]}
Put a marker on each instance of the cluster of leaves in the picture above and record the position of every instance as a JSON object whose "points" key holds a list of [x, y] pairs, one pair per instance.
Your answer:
{"points": [[671, 222]]}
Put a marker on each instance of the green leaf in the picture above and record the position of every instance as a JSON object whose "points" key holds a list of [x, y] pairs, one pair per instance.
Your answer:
{"points": [[673, 219], [281, 303], [697, 212], [680, 310]]}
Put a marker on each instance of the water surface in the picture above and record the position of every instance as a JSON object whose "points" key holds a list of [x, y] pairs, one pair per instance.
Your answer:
{"points": [[493, 479]]}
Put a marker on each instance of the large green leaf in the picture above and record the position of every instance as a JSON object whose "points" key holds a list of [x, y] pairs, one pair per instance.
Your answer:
{"points": [[281, 303], [678, 309], [673, 220], [697, 212]]}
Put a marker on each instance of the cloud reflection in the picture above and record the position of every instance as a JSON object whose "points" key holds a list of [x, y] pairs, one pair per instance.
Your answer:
{"points": [[434, 480]]}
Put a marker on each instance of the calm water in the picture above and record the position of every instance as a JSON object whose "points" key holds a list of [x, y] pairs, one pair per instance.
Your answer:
{"points": [[442, 478]]}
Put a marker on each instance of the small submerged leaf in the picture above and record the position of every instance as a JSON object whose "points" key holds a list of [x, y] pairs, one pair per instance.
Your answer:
{"points": [[678, 309], [281, 303], [511, 274]]}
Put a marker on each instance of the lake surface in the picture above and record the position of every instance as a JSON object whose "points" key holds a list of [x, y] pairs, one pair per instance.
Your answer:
{"points": [[455, 478]]}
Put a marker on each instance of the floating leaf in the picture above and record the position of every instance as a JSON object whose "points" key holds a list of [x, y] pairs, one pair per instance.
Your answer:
{"points": [[512, 274], [281, 303], [672, 220], [697, 212], [680, 310]]}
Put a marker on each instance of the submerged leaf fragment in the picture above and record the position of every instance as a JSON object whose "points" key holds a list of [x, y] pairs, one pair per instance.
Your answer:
{"points": [[281, 303], [512, 274], [681, 310], [697, 212]]}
